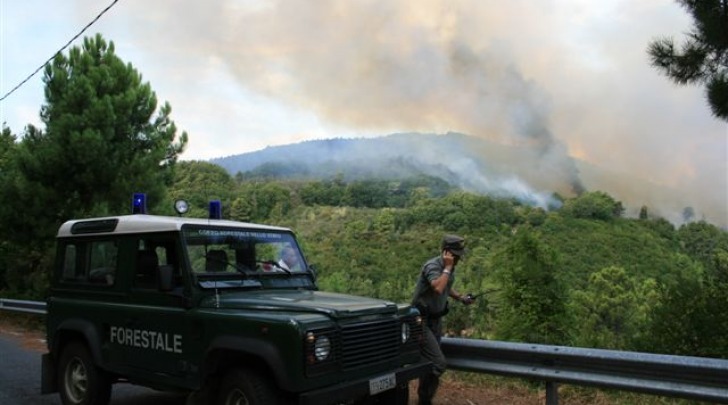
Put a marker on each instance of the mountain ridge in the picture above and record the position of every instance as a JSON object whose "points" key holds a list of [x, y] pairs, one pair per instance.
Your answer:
{"points": [[525, 172]]}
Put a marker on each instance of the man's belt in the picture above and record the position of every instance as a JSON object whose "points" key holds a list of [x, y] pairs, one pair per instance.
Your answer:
{"points": [[425, 311]]}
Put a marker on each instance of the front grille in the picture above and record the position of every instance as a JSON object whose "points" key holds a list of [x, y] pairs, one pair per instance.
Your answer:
{"points": [[369, 343]]}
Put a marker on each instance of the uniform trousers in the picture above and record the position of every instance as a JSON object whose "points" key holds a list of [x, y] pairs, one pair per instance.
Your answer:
{"points": [[431, 351]]}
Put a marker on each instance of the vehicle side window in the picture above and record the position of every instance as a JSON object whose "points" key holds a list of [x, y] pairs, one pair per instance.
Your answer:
{"points": [[153, 253], [103, 256], [92, 262], [71, 268]]}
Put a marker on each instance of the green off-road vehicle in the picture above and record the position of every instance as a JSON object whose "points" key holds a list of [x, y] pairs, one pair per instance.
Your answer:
{"points": [[226, 311]]}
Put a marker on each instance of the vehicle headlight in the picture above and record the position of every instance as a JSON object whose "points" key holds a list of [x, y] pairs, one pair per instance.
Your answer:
{"points": [[322, 348], [405, 332], [318, 347]]}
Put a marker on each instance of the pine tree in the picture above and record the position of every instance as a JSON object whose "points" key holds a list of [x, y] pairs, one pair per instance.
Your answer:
{"points": [[103, 140], [703, 58], [533, 298]]}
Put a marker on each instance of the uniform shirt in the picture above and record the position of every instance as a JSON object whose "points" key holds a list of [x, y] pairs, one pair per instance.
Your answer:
{"points": [[424, 293]]}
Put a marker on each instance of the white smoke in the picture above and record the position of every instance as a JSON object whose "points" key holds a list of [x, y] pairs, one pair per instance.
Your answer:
{"points": [[560, 79]]}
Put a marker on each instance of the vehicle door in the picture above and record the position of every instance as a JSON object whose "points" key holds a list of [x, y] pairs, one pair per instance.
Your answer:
{"points": [[152, 337]]}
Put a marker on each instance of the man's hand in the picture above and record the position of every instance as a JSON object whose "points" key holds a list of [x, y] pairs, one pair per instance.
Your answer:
{"points": [[448, 259], [467, 299]]}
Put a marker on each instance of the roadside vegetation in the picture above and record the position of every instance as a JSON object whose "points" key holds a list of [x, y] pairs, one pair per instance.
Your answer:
{"points": [[580, 275]]}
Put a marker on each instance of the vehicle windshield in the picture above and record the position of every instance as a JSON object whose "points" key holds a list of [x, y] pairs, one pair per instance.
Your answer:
{"points": [[220, 250]]}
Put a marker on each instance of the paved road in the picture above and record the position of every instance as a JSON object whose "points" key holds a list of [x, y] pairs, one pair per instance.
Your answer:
{"points": [[20, 381]]}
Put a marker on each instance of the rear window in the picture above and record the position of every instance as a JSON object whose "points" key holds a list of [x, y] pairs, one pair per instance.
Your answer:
{"points": [[93, 262]]}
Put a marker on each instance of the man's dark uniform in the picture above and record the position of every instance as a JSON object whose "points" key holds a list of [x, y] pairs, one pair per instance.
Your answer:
{"points": [[433, 306]]}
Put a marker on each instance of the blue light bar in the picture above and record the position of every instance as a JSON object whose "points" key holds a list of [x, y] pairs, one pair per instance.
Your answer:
{"points": [[139, 203], [215, 209]]}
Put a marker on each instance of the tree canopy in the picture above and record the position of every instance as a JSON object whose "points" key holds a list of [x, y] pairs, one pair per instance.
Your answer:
{"points": [[104, 138], [579, 275], [703, 58]]}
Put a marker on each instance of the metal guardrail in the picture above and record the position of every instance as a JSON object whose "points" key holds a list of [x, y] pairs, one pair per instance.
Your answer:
{"points": [[32, 307], [695, 378]]}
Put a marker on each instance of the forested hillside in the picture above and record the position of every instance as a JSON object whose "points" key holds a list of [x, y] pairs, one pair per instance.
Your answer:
{"points": [[523, 172], [578, 275]]}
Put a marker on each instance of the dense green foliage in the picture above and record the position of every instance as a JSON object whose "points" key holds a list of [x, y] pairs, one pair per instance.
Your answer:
{"points": [[580, 275], [103, 137], [533, 306], [565, 276]]}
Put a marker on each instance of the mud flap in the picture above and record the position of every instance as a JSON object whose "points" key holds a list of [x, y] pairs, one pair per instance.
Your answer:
{"points": [[48, 380]]}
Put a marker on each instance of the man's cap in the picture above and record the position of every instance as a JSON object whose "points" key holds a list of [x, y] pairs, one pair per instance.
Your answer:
{"points": [[455, 244]]}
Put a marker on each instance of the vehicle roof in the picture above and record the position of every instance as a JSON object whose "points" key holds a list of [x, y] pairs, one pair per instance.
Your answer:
{"points": [[142, 223]]}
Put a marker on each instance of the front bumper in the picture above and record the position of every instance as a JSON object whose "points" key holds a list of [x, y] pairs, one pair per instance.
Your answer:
{"points": [[360, 388]]}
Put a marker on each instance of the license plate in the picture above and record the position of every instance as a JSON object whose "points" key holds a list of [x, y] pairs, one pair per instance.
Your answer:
{"points": [[383, 383]]}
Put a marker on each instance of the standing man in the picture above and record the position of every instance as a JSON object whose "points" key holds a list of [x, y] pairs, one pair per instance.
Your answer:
{"points": [[434, 286]]}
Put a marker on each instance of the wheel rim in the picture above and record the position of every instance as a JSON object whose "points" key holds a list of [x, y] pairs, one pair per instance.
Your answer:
{"points": [[236, 397], [76, 381]]}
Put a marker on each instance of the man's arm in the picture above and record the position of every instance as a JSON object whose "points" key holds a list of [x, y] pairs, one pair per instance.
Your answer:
{"points": [[439, 284], [465, 299]]}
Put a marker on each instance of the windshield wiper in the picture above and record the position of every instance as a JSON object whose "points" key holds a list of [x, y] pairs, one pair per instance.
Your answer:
{"points": [[235, 266]]}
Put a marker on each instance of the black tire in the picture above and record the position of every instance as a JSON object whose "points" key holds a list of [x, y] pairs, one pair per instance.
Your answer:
{"points": [[80, 382], [241, 386]]}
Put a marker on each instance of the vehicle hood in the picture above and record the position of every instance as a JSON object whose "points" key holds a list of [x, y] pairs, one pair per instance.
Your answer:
{"points": [[331, 304]]}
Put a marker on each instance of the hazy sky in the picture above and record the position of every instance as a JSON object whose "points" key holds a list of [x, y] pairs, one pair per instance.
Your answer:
{"points": [[243, 75]]}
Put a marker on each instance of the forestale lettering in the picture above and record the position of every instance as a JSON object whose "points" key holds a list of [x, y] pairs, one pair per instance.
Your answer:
{"points": [[146, 339]]}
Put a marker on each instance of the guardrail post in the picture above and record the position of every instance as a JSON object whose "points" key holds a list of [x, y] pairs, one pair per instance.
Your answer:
{"points": [[552, 393]]}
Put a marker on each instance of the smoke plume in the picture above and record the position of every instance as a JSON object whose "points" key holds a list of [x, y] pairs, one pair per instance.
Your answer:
{"points": [[558, 79]]}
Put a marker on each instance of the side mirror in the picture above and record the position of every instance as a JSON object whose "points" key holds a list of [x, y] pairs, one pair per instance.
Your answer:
{"points": [[166, 278], [312, 270]]}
